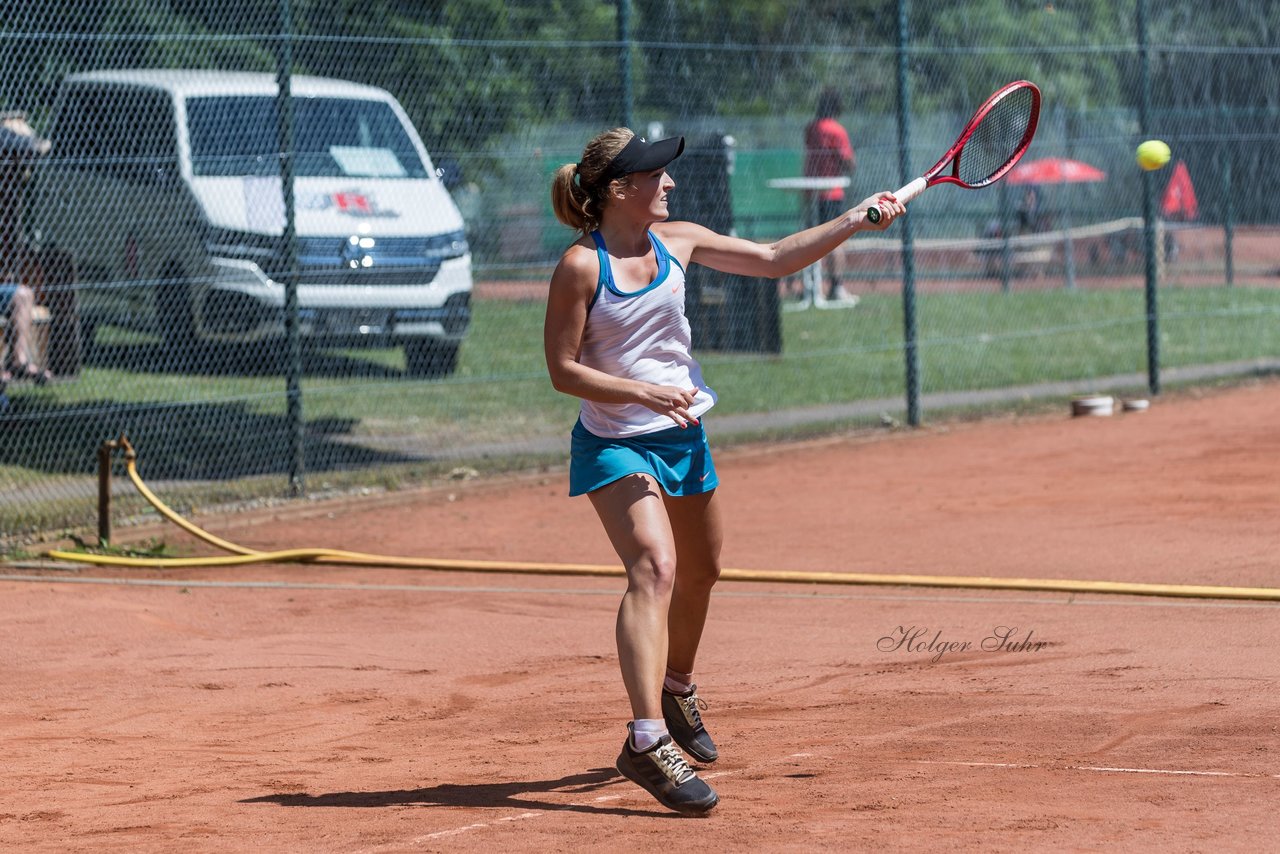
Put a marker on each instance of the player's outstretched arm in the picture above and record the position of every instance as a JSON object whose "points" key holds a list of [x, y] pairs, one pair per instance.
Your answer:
{"points": [[772, 260]]}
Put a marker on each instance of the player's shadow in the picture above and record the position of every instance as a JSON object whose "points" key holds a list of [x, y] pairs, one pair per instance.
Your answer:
{"points": [[509, 795]]}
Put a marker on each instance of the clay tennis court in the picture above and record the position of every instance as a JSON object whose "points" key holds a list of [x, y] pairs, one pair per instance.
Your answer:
{"points": [[287, 708]]}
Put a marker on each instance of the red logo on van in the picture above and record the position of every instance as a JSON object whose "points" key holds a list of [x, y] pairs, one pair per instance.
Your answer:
{"points": [[350, 202], [357, 204]]}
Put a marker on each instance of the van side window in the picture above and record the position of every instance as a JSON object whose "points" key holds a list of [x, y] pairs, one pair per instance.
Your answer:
{"points": [[151, 117], [116, 130], [78, 136]]}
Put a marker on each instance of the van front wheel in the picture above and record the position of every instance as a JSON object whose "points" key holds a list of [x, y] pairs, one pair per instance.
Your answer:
{"points": [[430, 358]]}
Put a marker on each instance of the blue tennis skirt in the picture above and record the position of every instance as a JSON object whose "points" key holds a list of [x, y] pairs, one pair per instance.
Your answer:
{"points": [[678, 458]]}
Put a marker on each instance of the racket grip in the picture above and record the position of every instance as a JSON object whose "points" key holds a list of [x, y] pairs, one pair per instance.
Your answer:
{"points": [[903, 195]]}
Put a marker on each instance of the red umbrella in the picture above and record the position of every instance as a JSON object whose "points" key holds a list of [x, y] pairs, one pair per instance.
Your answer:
{"points": [[1055, 170]]}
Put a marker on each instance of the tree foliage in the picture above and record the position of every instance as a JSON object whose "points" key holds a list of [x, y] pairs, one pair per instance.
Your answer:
{"points": [[471, 71]]}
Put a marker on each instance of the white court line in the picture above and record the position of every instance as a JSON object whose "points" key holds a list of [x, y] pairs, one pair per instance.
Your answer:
{"points": [[480, 825], [1162, 771], [441, 834], [1102, 769], [716, 774], [455, 830], [975, 764]]}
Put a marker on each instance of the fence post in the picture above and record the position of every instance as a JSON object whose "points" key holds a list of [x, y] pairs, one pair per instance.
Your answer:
{"points": [[104, 491], [1228, 210], [1148, 207], [1006, 248], [910, 346], [1068, 245], [293, 343], [624, 61]]}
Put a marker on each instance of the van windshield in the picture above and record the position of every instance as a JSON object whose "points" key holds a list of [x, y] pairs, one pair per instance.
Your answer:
{"points": [[333, 137]]}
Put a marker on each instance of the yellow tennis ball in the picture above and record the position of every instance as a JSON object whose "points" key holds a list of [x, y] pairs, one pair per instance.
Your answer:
{"points": [[1153, 154]]}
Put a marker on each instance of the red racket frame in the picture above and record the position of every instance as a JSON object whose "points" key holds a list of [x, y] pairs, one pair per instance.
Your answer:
{"points": [[956, 153]]}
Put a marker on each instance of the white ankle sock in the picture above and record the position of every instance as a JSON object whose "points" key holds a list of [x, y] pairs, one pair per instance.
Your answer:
{"points": [[676, 682], [646, 732]]}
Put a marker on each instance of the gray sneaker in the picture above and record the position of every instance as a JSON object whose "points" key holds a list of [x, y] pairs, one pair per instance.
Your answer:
{"points": [[684, 722], [663, 772]]}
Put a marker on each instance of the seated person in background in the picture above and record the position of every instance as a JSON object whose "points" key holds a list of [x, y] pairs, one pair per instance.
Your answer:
{"points": [[17, 304], [19, 144]]}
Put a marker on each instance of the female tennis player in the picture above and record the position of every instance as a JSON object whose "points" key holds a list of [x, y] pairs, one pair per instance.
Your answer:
{"points": [[616, 337]]}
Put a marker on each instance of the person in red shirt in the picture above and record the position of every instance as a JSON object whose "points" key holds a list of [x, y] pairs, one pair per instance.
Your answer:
{"points": [[828, 154]]}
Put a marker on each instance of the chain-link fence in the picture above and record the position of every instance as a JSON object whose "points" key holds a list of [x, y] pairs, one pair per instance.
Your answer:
{"points": [[344, 287]]}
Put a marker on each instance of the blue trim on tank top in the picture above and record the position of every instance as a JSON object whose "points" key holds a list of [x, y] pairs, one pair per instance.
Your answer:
{"points": [[662, 251], [606, 270]]}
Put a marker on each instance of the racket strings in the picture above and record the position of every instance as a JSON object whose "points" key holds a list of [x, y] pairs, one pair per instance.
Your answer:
{"points": [[998, 138]]}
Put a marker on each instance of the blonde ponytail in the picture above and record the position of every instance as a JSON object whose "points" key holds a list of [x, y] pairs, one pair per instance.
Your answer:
{"points": [[570, 201], [576, 196]]}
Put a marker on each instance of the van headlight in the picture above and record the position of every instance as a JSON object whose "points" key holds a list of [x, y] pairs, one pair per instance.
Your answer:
{"points": [[446, 246]]}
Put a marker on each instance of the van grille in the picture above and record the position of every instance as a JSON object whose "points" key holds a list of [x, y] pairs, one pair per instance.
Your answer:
{"points": [[417, 275], [376, 261], [351, 261]]}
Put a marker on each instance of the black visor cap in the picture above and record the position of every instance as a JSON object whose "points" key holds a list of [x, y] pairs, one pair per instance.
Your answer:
{"points": [[640, 156]]}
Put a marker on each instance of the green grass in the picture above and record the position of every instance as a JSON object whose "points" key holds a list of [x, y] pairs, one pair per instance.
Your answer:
{"points": [[970, 341], [966, 341], [232, 429]]}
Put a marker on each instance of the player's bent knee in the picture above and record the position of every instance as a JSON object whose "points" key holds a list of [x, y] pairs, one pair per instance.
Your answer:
{"points": [[654, 573], [700, 574]]}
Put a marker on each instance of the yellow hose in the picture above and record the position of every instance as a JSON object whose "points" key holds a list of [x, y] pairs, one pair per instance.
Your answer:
{"points": [[169, 513], [242, 555]]}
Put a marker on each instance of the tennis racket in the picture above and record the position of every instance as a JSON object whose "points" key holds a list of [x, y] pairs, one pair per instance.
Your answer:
{"points": [[991, 143]]}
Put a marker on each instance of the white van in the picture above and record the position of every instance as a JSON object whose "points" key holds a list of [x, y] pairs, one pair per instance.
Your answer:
{"points": [[164, 186]]}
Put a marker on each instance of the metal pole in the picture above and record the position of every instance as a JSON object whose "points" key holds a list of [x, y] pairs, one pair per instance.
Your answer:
{"points": [[1228, 210], [1148, 208], [289, 246], [104, 491], [910, 346], [624, 60], [1006, 249], [1068, 245]]}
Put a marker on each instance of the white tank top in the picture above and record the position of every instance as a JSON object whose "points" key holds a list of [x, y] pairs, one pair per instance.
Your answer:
{"points": [[641, 335]]}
